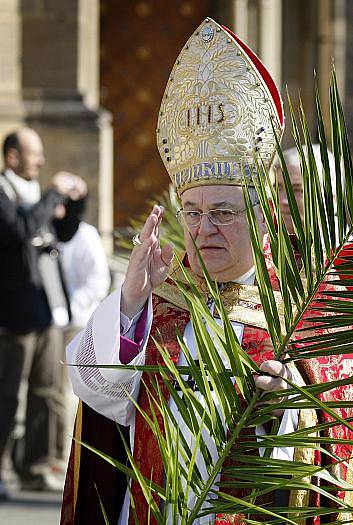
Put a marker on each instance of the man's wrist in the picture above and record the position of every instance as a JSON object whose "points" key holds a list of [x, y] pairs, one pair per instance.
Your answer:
{"points": [[130, 307]]}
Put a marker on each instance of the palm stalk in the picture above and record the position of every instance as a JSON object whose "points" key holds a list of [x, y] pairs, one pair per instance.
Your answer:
{"points": [[221, 409]]}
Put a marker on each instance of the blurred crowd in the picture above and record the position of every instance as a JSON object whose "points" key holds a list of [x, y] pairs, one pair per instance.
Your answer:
{"points": [[53, 273]]}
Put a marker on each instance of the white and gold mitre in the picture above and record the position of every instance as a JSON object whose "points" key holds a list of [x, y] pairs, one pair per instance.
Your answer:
{"points": [[219, 111]]}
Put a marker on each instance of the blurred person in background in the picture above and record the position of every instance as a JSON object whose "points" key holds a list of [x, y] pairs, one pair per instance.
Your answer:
{"points": [[32, 299], [292, 160], [86, 272], [87, 279]]}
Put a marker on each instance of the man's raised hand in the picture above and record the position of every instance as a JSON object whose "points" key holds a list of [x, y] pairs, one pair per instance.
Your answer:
{"points": [[148, 265]]}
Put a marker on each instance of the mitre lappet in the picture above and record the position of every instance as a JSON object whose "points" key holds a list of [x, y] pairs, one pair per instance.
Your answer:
{"points": [[220, 112]]}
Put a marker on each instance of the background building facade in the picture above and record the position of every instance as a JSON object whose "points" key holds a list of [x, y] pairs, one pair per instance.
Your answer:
{"points": [[88, 75]]}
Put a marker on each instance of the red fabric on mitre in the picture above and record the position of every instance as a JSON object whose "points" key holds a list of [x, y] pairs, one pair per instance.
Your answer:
{"points": [[264, 73]]}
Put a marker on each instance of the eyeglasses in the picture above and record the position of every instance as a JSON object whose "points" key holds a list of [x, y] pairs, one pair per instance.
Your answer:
{"points": [[218, 217]]}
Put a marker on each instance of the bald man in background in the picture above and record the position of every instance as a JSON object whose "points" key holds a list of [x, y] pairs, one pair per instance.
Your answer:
{"points": [[32, 299], [292, 160]]}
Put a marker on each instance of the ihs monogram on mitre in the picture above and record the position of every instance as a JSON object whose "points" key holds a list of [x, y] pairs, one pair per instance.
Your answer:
{"points": [[218, 114]]}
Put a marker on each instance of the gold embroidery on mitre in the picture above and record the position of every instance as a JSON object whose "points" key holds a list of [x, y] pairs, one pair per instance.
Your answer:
{"points": [[217, 114]]}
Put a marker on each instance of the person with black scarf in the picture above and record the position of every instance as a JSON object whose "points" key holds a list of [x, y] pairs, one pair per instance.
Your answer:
{"points": [[32, 299]]}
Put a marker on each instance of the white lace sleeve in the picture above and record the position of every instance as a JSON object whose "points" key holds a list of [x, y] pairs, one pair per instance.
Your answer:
{"points": [[106, 390]]}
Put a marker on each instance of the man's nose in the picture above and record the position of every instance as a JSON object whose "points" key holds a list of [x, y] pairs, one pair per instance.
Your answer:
{"points": [[206, 226]]}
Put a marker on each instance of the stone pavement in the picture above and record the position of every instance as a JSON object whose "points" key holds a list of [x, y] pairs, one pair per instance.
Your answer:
{"points": [[29, 508]]}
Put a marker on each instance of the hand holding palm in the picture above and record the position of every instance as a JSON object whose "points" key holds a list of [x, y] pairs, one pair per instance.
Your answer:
{"points": [[271, 379]]}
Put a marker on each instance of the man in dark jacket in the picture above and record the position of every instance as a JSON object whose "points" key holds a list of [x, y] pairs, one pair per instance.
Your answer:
{"points": [[31, 295]]}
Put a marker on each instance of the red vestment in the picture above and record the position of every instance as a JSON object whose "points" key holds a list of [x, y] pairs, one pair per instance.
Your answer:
{"points": [[80, 498]]}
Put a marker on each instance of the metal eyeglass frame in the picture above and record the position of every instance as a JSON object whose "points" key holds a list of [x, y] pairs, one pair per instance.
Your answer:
{"points": [[235, 214]]}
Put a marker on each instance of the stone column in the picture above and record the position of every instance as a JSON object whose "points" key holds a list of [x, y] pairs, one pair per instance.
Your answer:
{"points": [[260, 26], [324, 54], [240, 15], [341, 24], [270, 37], [11, 108], [60, 71], [234, 14], [349, 71]]}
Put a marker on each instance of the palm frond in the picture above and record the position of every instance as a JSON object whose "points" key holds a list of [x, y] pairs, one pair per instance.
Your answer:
{"points": [[105, 516], [223, 407]]}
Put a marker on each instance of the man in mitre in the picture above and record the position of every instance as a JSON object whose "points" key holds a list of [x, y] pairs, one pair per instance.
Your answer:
{"points": [[219, 113]]}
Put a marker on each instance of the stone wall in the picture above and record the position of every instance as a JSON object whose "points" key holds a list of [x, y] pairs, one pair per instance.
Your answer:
{"points": [[49, 81], [50, 62], [11, 108]]}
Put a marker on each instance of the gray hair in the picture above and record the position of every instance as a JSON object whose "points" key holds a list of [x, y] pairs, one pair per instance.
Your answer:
{"points": [[291, 157]]}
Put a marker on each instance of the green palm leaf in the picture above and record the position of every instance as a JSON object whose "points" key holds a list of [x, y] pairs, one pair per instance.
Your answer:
{"points": [[223, 407]]}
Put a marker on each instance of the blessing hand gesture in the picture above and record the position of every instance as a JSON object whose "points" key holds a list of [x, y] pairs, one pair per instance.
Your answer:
{"points": [[148, 265]]}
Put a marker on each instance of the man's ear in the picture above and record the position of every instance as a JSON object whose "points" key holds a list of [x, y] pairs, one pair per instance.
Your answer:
{"points": [[13, 158]]}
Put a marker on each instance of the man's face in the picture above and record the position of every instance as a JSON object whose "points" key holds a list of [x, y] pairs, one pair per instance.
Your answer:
{"points": [[225, 250], [296, 179], [29, 160]]}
